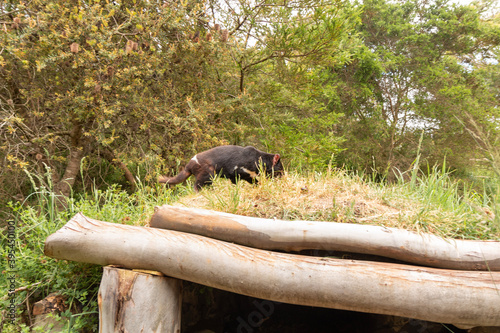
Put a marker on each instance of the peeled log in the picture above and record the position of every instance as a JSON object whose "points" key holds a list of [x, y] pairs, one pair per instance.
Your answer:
{"points": [[464, 298], [417, 248], [131, 301]]}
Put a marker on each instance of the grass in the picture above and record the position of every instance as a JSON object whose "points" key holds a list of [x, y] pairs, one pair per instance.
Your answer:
{"points": [[434, 203], [36, 275]]}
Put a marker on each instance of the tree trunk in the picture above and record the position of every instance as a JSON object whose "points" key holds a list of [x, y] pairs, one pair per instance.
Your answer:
{"points": [[242, 79], [65, 184], [67, 181], [422, 249], [111, 157], [465, 298], [131, 301]]}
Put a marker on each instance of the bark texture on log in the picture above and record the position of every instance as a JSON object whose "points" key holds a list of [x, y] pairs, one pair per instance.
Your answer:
{"points": [[466, 298], [131, 301], [421, 249], [52, 303]]}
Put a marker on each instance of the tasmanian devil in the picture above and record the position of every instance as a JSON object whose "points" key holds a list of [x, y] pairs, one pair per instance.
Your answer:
{"points": [[232, 162]]}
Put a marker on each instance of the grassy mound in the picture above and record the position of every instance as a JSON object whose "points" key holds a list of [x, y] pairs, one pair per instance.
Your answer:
{"points": [[435, 203]]}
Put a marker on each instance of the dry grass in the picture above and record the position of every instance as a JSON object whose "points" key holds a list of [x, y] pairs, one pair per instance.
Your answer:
{"points": [[340, 197]]}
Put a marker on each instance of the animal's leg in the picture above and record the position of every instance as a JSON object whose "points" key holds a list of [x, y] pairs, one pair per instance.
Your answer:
{"points": [[248, 175], [204, 178]]}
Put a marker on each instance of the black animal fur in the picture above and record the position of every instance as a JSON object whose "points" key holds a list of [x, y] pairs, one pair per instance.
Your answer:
{"points": [[232, 162]]}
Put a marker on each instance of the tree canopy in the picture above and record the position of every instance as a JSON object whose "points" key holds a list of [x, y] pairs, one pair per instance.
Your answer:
{"points": [[421, 71]]}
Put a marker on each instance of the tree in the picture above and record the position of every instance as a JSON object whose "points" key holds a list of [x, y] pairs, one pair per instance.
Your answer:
{"points": [[419, 70], [90, 78], [87, 81], [276, 48]]}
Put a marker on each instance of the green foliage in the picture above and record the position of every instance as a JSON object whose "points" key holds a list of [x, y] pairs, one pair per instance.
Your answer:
{"points": [[117, 84], [422, 67], [309, 143], [276, 96], [103, 80], [78, 282], [123, 85]]}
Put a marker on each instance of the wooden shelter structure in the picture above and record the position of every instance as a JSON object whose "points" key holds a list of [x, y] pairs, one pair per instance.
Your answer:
{"points": [[442, 280]]}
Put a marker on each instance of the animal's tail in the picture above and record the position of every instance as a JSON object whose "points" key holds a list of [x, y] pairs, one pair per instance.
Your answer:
{"points": [[182, 176]]}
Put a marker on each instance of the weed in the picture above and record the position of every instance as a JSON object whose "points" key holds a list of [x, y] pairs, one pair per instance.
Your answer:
{"points": [[36, 275]]}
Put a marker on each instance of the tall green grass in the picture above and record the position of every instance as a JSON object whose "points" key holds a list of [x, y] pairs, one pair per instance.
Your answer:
{"points": [[447, 205]]}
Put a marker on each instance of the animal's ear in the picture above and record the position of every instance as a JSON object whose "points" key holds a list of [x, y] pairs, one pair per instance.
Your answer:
{"points": [[276, 159]]}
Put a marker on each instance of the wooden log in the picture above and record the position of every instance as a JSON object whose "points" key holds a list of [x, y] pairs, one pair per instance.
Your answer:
{"points": [[466, 298], [131, 301], [46, 313], [52, 303], [421, 249]]}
